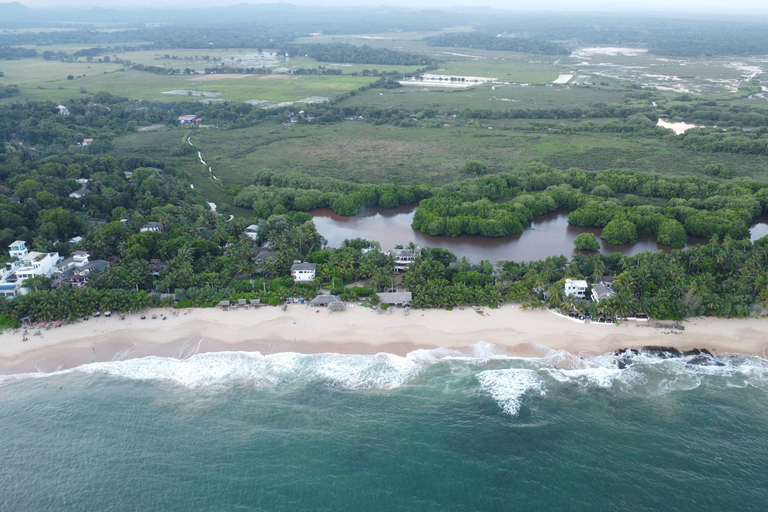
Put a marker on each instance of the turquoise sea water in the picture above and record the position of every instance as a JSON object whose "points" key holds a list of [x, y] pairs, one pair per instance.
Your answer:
{"points": [[436, 430]]}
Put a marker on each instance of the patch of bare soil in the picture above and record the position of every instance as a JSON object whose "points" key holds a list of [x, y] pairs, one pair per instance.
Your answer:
{"points": [[217, 76], [277, 77], [150, 128]]}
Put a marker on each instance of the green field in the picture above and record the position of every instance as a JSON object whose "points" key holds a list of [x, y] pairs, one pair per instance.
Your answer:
{"points": [[427, 152], [487, 96], [37, 83]]}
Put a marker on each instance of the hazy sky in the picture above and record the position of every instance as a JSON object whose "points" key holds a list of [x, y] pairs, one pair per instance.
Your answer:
{"points": [[740, 6]]}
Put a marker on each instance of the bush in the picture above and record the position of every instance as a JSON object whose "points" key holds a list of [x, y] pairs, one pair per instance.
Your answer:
{"points": [[384, 306], [587, 242], [8, 322], [620, 231], [672, 233], [602, 191], [474, 168]]}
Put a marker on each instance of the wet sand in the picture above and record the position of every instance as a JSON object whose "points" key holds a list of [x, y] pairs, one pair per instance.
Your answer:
{"points": [[357, 330]]}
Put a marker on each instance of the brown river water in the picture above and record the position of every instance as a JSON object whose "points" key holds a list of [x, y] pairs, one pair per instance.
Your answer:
{"points": [[551, 235]]}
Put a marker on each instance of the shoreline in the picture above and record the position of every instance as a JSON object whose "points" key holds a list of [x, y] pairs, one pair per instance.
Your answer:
{"points": [[358, 330]]}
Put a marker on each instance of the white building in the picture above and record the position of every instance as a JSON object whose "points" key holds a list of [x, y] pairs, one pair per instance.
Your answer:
{"points": [[404, 257], [156, 227], [28, 264], [252, 232], [78, 259], [575, 288], [304, 272], [18, 249]]}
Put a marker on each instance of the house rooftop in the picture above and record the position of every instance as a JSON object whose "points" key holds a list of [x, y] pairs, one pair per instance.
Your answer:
{"points": [[304, 266], [395, 297], [601, 291]]}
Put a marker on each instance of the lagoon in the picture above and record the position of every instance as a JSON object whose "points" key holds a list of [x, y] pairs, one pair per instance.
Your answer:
{"points": [[551, 235]]}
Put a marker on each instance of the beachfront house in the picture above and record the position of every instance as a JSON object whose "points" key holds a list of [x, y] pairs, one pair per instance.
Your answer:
{"points": [[401, 298], [575, 288], [601, 291], [26, 265], [75, 270], [303, 272], [404, 257], [332, 302]]}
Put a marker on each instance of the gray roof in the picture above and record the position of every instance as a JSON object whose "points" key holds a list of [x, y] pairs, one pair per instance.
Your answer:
{"points": [[395, 297], [304, 266], [405, 253], [601, 291], [95, 266], [324, 300]]}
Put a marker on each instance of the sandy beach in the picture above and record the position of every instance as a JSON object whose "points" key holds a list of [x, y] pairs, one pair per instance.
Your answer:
{"points": [[358, 330]]}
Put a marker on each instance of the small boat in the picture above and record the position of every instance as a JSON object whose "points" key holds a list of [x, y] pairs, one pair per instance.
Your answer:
{"points": [[531, 228]]}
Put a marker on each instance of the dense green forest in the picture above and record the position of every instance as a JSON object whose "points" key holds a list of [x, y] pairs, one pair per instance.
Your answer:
{"points": [[494, 42], [13, 53], [342, 52]]}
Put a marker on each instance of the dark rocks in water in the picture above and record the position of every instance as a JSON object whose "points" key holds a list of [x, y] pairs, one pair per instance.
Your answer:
{"points": [[621, 364], [697, 352], [700, 361], [663, 352]]}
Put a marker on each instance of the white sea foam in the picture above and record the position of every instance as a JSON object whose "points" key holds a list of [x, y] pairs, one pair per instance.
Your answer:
{"points": [[600, 377], [381, 371], [506, 378], [507, 387]]}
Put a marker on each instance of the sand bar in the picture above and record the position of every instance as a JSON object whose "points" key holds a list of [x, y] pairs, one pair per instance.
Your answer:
{"points": [[357, 330]]}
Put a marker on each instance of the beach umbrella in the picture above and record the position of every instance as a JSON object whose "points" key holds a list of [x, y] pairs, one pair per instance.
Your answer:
{"points": [[57, 324], [43, 324]]}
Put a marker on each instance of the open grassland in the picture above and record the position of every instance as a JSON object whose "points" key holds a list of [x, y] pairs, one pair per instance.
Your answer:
{"points": [[39, 82], [391, 40], [243, 57], [427, 152], [487, 96]]}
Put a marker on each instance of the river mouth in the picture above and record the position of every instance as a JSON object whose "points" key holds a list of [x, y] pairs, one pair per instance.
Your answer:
{"points": [[551, 235]]}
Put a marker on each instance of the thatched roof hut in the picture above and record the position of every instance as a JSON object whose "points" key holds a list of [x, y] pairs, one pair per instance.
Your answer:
{"points": [[324, 300]]}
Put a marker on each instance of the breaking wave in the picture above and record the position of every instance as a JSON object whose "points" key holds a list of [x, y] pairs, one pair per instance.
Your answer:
{"points": [[509, 380]]}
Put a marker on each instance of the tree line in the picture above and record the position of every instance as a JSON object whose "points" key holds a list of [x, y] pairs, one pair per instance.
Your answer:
{"points": [[485, 41], [349, 53]]}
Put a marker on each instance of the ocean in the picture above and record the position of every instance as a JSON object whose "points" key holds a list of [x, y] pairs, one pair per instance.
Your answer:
{"points": [[435, 430]]}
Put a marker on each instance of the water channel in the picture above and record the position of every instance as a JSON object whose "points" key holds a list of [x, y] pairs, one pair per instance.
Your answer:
{"points": [[551, 235]]}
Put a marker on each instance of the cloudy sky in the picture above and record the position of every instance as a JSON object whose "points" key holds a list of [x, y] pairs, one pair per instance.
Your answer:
{"points": [[740, 6]]}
